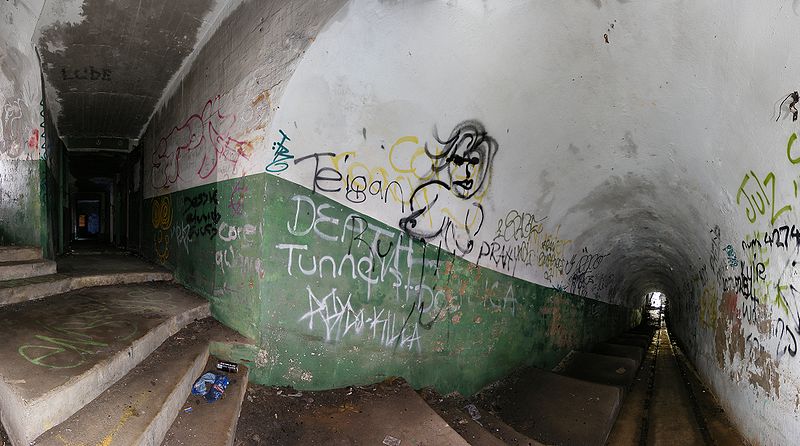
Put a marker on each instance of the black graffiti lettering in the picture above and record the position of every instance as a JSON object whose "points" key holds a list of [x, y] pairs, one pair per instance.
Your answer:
{"points": [[201, 215], [462, 168], [318, 170], [355, 189], [354, 236]]}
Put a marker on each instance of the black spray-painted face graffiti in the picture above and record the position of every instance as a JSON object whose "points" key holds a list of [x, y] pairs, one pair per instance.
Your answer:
{"points": [[463, 168], [466, 159]]}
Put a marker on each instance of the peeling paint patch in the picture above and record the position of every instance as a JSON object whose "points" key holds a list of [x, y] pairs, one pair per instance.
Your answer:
{"points": [[262, 97], [66, 12], [765, 376]]}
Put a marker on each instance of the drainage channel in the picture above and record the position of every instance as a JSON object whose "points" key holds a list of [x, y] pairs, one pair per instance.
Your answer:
{"points": [[672, 414], [651, 379]]}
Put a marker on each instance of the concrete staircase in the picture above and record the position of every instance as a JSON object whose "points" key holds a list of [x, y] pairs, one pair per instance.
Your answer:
{"points": [[108, 364], [104, 352], [24, 275], [23, 262]]}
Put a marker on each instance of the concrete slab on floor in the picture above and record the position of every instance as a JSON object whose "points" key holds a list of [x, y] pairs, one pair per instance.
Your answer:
{"points": [[22, 269], [140, 408], [632, 415], [19, 253], [210, 424], [76, 272], [479, 427], [639, 340], [386, 413], [61, 352], [556, 409], [602, 369], [633, 352]]}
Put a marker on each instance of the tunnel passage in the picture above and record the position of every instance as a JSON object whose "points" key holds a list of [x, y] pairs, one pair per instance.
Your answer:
{"points": [[439, 190]]}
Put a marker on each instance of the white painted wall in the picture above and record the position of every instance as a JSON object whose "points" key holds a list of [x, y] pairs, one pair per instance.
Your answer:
{"points": [[20, 85], [632, 149]]}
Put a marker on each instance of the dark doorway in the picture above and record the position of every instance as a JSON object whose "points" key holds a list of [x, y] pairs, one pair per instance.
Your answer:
{"points": [[89, 219]]}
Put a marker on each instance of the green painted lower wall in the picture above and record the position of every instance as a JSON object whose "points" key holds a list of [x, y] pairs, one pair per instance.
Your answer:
{"points": [[335, 298], [20, 203]]}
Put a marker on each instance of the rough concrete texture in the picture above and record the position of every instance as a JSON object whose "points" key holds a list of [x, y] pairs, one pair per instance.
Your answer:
{"points": [[630, 427], [321, 321], [671, 418], [476, 425], [257, 46], [76, 272], [61, 352], [95, 91], [626, 351], [555, 409], [19, 253], [602, 369], [26, 268], [20, 132], [140, 408], [639, 162], [387, 413], [200, 423], [716, 422]]}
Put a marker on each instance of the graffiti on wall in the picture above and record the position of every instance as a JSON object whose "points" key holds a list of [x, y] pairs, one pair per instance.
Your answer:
{"points": [[461, 169], [750, 302], [91, 327], [338, 319], [162, 226], [198, 147], [439, 189], [390, 266], [281, 156], [15, 135]]}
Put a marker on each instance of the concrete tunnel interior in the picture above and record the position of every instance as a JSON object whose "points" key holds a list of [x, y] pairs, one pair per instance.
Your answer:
{"points": [[515, 178]]}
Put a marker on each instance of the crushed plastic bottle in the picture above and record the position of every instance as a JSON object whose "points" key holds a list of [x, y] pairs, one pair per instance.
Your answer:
{"points": [[216, 391], [203, 383]]}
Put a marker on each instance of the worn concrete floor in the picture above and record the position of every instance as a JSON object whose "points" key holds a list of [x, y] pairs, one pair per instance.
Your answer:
{"points": [[668, 403], [389, 413], [671, 419]]}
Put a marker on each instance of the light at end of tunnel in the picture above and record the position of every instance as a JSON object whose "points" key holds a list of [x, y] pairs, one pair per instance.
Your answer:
{"points": [[656, 299]]}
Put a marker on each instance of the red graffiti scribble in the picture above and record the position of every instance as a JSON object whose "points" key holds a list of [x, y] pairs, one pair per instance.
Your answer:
{"points": [[33, 140], [196, 147]]}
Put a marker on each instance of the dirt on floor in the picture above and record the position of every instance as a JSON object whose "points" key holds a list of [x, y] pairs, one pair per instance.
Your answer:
{"points": [[386, 412]]}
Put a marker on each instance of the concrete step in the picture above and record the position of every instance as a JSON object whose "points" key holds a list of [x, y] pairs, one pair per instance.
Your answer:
{"points": [[601, 369], [23, 269], [140, 407], [626, 351], [556, 409], [475, 424], [19, 253], [61, 352], [202, 424], [387, 413], [32, 288]]}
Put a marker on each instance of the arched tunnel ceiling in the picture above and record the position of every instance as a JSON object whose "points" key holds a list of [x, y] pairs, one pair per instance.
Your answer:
{"points": [[587, 141], [651, 140], [107, 64], [592, 135]]}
